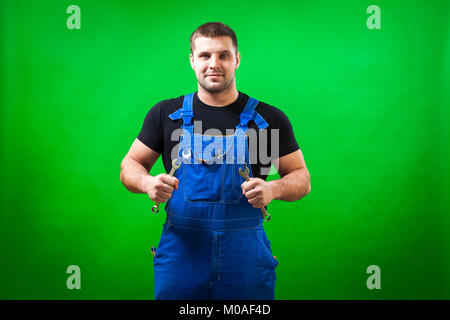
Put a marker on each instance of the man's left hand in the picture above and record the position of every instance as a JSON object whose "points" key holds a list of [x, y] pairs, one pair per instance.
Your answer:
{"points": [[258, 192]]}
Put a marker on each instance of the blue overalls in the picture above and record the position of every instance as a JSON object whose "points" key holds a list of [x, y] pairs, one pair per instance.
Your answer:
{"points": [[213, 244]]}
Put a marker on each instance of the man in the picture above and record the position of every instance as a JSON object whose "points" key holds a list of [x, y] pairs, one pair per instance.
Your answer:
{"points": [[213, 244]]}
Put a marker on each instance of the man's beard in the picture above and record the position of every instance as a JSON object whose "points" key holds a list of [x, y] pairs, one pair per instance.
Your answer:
{"points": [[216, 88]]}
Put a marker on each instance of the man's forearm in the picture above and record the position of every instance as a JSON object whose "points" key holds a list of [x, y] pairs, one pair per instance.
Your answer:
{"points": [[292, 186], [134, 176]]}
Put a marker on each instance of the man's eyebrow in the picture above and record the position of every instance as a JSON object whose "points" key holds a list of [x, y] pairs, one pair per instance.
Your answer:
{"points": [[208, 52]]}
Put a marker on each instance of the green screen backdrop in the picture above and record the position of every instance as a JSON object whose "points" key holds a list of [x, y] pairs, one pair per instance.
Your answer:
{"points": [[369, 107]]}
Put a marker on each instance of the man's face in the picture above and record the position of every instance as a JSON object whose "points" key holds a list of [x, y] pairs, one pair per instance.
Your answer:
{"points": [[214, 61]]}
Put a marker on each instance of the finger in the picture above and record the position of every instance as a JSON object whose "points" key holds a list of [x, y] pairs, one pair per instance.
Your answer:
{"points": [[175, 181], [159, 200], [171, 181], [255, 201], [165, 195], [253, 193], [248, 185], [163, 187], [162, 200]]}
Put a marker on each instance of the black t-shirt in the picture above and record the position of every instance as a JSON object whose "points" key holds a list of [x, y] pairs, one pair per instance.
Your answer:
{"points": [[157, 130]]}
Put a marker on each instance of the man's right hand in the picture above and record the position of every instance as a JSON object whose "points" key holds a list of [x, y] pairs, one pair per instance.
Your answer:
{"points": [[160, 187]]}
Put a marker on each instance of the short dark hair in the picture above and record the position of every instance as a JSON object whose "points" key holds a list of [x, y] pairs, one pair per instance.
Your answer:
{"points": [[213, 29]]}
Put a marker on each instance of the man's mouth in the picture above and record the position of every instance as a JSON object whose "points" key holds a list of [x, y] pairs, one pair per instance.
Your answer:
{"points": [[214, 75]]}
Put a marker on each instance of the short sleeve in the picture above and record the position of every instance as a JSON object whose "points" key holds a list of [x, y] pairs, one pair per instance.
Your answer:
{"points": [[151, 133], [289, 143]]}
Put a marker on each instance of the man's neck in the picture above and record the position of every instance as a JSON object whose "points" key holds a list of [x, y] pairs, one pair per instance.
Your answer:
{"points": [[218, 99]]}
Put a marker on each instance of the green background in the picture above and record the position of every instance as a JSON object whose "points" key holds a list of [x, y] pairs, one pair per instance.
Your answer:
{"points": [[370, 111]]}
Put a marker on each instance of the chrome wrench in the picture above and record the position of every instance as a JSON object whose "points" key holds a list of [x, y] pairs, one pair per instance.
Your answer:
{"points": [[244, 174], [175, 166]]}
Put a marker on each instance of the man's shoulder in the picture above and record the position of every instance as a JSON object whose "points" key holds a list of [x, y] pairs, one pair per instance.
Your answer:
{"points": [[168, 106], [273, 115]]}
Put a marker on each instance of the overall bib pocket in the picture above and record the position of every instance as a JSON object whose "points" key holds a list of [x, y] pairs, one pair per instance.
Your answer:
{"points": [[212, 178], [203, 182]]}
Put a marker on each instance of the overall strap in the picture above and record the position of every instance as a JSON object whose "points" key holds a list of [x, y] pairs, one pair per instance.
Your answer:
{"points": [[184, 112], [248, 114]]}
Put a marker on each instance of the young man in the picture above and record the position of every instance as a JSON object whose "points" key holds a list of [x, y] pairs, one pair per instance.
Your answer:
{"points": [[213, 244]]}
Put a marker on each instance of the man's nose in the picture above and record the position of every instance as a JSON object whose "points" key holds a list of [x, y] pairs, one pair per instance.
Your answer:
{"points": [[215, 62]]}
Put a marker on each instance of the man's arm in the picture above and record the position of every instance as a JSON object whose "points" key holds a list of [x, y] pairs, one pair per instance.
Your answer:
{"points": [[295, 180], [134, 173], [293, 185]]}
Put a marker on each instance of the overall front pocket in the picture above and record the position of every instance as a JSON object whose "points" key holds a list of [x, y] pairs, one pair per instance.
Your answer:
{"points": [[160, 249], [263, 244]]}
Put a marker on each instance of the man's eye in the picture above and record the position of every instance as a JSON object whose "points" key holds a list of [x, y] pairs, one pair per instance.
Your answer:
{"points": [[224, 55], [204, 56]]}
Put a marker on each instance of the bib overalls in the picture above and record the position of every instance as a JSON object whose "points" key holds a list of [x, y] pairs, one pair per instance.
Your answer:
{"points": [[213, 244]]}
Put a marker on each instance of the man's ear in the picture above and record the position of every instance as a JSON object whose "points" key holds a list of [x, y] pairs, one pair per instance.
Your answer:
{"points": [[238, 59], [191, 59]]}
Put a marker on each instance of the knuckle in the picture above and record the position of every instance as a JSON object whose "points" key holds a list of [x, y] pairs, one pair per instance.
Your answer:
{"points": [[158, 184]]}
